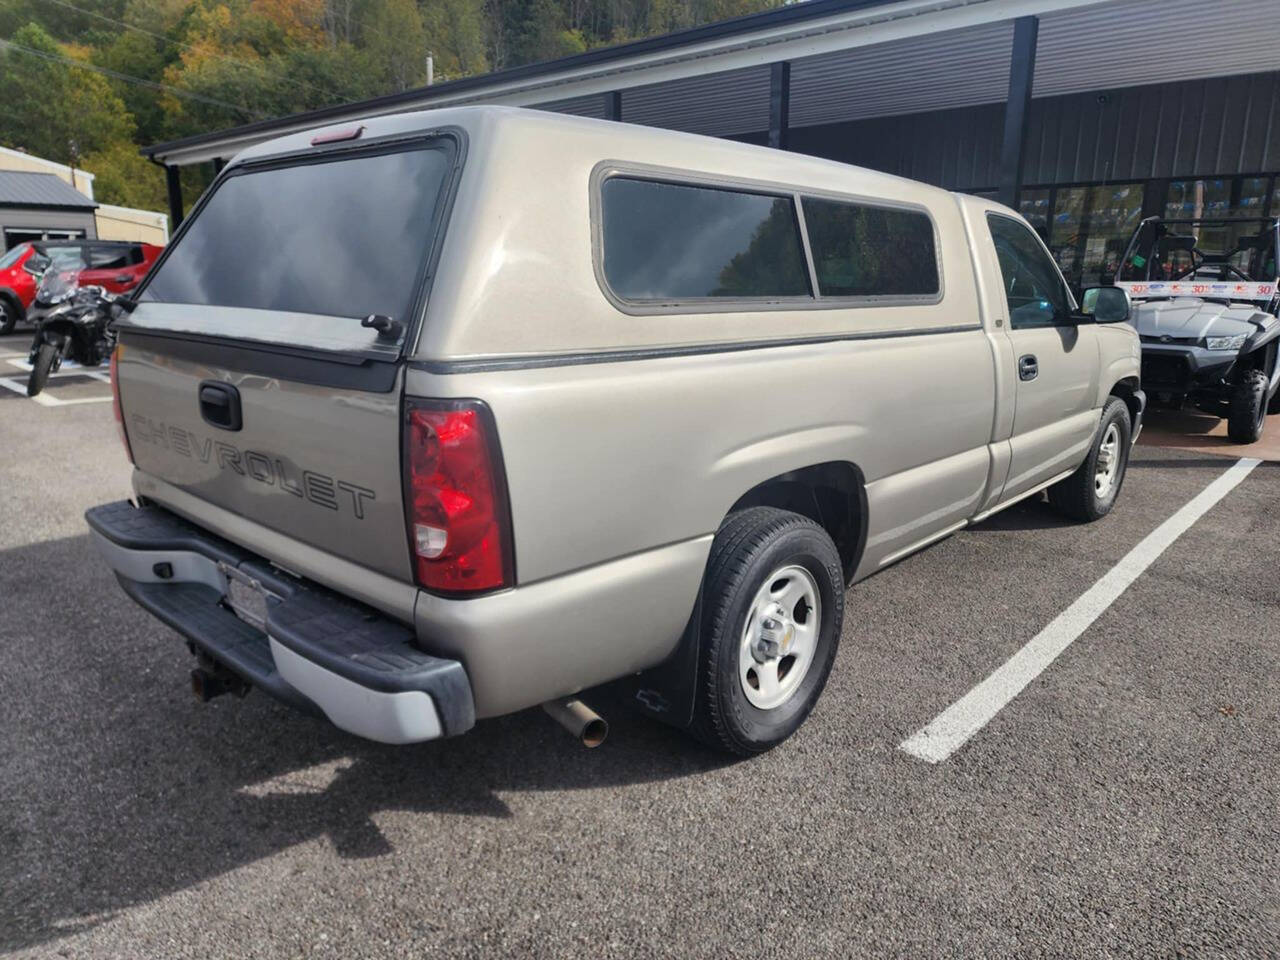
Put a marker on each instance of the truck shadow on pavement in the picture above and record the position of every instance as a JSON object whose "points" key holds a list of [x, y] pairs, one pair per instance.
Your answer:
{"points": [[118, 788]]}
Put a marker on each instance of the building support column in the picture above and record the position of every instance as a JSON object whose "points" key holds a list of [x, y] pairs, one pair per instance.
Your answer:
{"points": [[779, 104], [173, 184], [1022, 71], [613, 105]]}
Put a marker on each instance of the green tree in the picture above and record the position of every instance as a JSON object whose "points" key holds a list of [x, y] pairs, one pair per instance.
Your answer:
{"points": [[123, 176], [455, 37], [50, 104], [395, 41]]}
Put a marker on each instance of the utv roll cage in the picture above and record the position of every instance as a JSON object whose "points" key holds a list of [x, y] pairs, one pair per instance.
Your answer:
{"points": [[1155, 247]]}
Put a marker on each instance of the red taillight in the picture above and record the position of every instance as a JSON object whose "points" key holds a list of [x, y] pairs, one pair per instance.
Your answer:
{"points": [[115, 401], [455, 498]]}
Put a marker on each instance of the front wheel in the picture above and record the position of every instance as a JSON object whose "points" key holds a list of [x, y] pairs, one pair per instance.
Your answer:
{"points": [[1248, 411], [773, 605], [46, 356], [1090, 492]]}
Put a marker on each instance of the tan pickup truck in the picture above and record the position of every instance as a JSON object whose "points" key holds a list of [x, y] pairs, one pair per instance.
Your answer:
{"points": [[457, 413]]}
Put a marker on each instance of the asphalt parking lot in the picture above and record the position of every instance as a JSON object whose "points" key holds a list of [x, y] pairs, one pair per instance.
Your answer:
{"points": [[1127, 802]]}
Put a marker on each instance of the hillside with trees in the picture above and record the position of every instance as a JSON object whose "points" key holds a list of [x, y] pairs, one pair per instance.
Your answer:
{"points": [[89, 81]]}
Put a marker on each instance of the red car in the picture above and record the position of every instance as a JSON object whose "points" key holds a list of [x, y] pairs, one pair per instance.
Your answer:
{"points": [[116, 265]]}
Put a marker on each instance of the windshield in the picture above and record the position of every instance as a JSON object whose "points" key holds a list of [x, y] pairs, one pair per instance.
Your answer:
{"points": [[346, 237], [1217, 250], [57, 284]]}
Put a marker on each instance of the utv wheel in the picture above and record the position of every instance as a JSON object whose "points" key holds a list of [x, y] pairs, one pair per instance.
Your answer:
{"points": [[1248, 408], [1090, 492], [8, 317], [41, 369], [772, 607]]}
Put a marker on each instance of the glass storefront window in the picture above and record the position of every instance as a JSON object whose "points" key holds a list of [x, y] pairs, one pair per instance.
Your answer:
{"points": [[1114, 212], [1088, 227], [1064, 231], [1213, 198], [1034, 206], [1220, 197]]}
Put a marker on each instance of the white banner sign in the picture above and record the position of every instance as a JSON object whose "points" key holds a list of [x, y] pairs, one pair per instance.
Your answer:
{"points": [[1235, 289]]}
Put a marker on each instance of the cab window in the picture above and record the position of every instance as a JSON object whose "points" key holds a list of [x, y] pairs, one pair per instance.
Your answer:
{"points": [[1033, 287]]}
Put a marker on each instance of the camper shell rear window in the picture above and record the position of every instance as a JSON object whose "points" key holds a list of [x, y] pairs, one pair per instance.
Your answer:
{"points": [[300, 250]]}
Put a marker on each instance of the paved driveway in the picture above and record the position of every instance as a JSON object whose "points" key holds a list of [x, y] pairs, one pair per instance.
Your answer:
{"points": [[1125, 803]]}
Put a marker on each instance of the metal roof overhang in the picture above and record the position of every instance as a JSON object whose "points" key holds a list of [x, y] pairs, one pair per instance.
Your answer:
{"points": [[851, 59], [789, 33]]}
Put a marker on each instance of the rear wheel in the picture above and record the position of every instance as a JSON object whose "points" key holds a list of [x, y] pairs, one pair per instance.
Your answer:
{"points": [[773, 604], [1090, 492], [1248, 408], [8, 317], [40, 370]]}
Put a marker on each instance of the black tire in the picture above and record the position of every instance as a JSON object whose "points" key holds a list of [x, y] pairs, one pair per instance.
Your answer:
{"points": [[1248, 408], [751, 546], [8, 316], [1077, 496], [41, 369]]}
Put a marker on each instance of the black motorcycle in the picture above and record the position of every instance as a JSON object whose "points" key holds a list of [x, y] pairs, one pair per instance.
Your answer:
{"points": [[71, 322]]}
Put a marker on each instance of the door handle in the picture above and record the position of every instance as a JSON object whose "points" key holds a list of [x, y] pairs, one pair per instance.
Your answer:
{"points": [[220, 405], [1028, 367]]}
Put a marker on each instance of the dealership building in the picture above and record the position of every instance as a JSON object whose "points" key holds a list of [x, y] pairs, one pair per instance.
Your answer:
{"points": [[1086, 116]]}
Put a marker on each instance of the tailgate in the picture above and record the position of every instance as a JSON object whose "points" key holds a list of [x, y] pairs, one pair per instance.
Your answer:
{"points": [[319, 462], [261, 369]]}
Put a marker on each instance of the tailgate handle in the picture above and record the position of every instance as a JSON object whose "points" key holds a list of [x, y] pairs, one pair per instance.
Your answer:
{"points": [[220, 405]]}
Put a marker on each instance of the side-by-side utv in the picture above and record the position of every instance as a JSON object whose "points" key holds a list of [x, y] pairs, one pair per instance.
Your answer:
{"points": [[1205, 306]]}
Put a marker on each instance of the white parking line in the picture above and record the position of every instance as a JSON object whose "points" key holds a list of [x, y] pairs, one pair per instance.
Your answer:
{"points": [[952, 728], [46, 399]]}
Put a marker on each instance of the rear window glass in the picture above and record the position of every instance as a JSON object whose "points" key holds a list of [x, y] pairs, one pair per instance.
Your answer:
{"points": [[108, 258], [866, 251], [10, 258], [666, 241], [345, 238]]}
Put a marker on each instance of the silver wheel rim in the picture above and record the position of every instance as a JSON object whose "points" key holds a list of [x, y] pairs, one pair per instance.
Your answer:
{"points": [[780, 637], [1108, 464]]}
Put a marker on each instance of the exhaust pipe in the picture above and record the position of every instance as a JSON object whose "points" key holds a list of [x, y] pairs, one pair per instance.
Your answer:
{"points": [[587, 726]]}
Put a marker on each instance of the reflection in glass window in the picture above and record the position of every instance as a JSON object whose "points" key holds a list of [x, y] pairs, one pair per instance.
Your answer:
{"points": [[865, 251], [1034, 207], [1091, 227], [667, 241], [1219, 198], [1114, 213], [343, 238]]}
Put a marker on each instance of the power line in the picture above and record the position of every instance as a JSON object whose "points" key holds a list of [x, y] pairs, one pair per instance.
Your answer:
{"points": [[186, 46], [129, 78]]}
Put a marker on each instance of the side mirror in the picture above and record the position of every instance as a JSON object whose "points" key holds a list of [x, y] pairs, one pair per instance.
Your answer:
{"points": [[1106, 304]]}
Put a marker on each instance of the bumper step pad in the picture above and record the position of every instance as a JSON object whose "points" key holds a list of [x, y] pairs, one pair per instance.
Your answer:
{"points": [[196, 612], [351, 641]]}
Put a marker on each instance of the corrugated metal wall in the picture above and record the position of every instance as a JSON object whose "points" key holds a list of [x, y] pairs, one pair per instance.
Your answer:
{"points": [[1224, 125], [947, 69], [1118, 43], [1218, 126], [717, 104]]}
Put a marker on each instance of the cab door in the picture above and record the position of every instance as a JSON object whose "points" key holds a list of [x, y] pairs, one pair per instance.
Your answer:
{"points": [[1055, 357]]}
